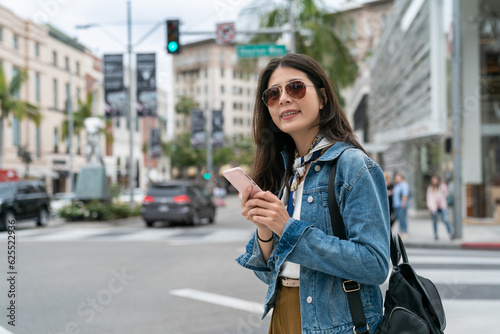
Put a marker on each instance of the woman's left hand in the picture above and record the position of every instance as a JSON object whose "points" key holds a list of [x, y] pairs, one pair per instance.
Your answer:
{"points": [[267, 209]]}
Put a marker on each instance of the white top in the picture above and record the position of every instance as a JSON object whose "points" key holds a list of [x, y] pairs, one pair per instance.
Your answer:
{"points": [[290, 269]]}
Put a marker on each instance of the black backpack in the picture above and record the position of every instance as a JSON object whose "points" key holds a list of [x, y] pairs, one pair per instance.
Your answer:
{"points": [[412, 303]]}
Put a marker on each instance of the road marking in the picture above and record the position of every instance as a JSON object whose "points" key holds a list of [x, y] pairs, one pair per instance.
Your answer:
{"points": [[452, 260], [457, 276], [221, 300], [4, 331]]}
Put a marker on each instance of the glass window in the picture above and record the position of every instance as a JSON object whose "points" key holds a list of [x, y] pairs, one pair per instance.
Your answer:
{"points": [[56, 140], [222, 73], [54, 87], [77, 68], [37, 49], [15, 130], [37, 87], [38, 143], [15, 42], [66, 63], [78, 92], [1, 34], [68, 95], [15, 71], [54, 58]]}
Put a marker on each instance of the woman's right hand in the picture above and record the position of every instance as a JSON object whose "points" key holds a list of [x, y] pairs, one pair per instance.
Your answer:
{"points": [[245, 208]]}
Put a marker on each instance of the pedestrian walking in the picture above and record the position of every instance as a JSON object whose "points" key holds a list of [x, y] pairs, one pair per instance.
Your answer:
{"points": [[293, 249], [437, 193], [400, 195], [390, 186]]}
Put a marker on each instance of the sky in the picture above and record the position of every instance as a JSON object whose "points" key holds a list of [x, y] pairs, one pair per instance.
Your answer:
{"points": [[111, 15], [110, 36]]}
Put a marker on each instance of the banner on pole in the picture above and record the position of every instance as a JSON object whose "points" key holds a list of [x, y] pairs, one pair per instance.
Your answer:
{"points": [[217, 128], [115, 96], [155, 143], [198, 128], [146, 84]]}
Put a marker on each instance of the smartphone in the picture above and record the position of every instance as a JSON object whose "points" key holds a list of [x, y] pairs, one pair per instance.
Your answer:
{"points": [[240, 180]]}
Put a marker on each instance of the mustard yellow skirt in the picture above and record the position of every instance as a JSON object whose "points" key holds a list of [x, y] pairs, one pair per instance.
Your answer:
{"points": [[286, 314]]}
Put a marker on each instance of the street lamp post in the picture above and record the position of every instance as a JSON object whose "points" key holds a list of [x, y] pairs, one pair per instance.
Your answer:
{"points": [[129, 105], [130, 115], [70, 133]]}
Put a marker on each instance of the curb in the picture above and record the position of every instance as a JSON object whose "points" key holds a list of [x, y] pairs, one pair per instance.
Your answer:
{"points": [[481, 245]]}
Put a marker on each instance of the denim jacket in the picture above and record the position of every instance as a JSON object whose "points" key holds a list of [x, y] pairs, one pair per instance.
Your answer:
{"points": [[324, 259]]}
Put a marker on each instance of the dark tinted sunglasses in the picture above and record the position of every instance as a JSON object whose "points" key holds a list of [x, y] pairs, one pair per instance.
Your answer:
{"points": [[295, 89]]}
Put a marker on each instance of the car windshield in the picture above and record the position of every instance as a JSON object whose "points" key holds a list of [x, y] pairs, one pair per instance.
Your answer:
{"points": [[173, 190], [7, 190]]}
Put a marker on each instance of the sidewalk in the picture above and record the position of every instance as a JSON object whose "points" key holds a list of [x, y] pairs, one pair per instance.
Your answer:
{"points": [[480, 235]]}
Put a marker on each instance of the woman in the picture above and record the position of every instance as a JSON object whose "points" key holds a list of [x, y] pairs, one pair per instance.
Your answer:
{"points": [[437, 193], [293, 249]]}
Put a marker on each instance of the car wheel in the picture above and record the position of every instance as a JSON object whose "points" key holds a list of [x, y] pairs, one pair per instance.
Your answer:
{"points": [[43, 217], [195, 218], [149, 223], [5, 218]]}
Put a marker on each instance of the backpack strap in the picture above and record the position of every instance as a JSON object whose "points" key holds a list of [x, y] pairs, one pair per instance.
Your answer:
{"points": [[338, 227]]}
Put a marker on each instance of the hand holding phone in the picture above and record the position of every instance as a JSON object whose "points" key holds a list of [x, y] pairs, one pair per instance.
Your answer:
{"points": [[240, 180]]}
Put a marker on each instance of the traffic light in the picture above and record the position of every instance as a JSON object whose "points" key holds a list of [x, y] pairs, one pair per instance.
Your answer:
{"points": [[206, 176], [173, 45]]}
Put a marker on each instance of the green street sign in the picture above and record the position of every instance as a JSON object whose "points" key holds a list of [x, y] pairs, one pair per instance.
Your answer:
{"points": [[260, 50]]}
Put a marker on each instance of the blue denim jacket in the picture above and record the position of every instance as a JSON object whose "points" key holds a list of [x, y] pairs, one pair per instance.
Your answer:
{"points": [[324, 259]]}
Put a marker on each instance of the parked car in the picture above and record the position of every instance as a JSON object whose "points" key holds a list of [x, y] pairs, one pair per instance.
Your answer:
{"points": [[178, 201], [24, 200], [60, 200], [137, 196]]}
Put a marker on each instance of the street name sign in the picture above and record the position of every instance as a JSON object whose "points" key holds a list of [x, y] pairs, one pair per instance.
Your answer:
{"points": [[260, 50]]}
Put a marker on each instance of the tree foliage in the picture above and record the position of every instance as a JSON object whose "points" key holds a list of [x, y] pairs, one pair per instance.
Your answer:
{"points": [[317, 34], [185, 104], [11, 104], [84, 110]]}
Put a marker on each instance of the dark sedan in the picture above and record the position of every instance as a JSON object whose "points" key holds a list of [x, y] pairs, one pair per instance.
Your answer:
{"points": [[179, 202]]}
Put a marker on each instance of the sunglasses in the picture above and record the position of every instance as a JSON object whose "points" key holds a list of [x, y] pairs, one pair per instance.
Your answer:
{"points": [[295, 89]]}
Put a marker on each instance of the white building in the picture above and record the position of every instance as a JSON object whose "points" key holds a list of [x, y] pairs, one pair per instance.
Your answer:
{"points": [[209, 73]]}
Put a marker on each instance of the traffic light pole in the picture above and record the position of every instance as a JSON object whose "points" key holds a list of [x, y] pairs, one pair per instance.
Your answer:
{"points": [[130, 118]]}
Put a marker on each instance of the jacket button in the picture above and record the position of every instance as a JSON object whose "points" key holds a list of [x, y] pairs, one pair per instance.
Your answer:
{"points": [[310, 199], [309, 300], [317, 168]]}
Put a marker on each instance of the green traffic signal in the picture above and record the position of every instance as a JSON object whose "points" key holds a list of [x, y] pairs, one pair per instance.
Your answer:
{"points": [[206, 176], [173, 46]]}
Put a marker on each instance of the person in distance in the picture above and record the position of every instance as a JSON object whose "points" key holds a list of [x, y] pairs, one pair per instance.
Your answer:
{"points": [[293, 249]]}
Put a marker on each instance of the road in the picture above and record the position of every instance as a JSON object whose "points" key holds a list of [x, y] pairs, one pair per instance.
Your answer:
{"points": [[103, 278]]}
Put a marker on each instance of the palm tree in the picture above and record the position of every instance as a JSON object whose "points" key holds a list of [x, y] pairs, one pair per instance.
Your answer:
{"points": [[11, 104], [83, 111], [316, 34]]}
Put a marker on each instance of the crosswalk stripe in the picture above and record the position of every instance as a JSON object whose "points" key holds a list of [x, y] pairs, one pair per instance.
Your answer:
{"points": [[4, 331], [221, 300], [172, 236], [452, 260], [452, 276]]}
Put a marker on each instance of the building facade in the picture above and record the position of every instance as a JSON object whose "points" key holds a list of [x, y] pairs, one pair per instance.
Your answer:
{"points": [[410, 105], [60, 69], [210, 74]]}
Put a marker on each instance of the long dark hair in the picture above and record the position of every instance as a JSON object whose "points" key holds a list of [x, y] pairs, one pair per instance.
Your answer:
{"points": [[268, 165]]}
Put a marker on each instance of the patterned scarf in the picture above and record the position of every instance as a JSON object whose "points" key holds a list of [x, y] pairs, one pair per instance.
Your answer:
{"points": [[317, 148]]}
